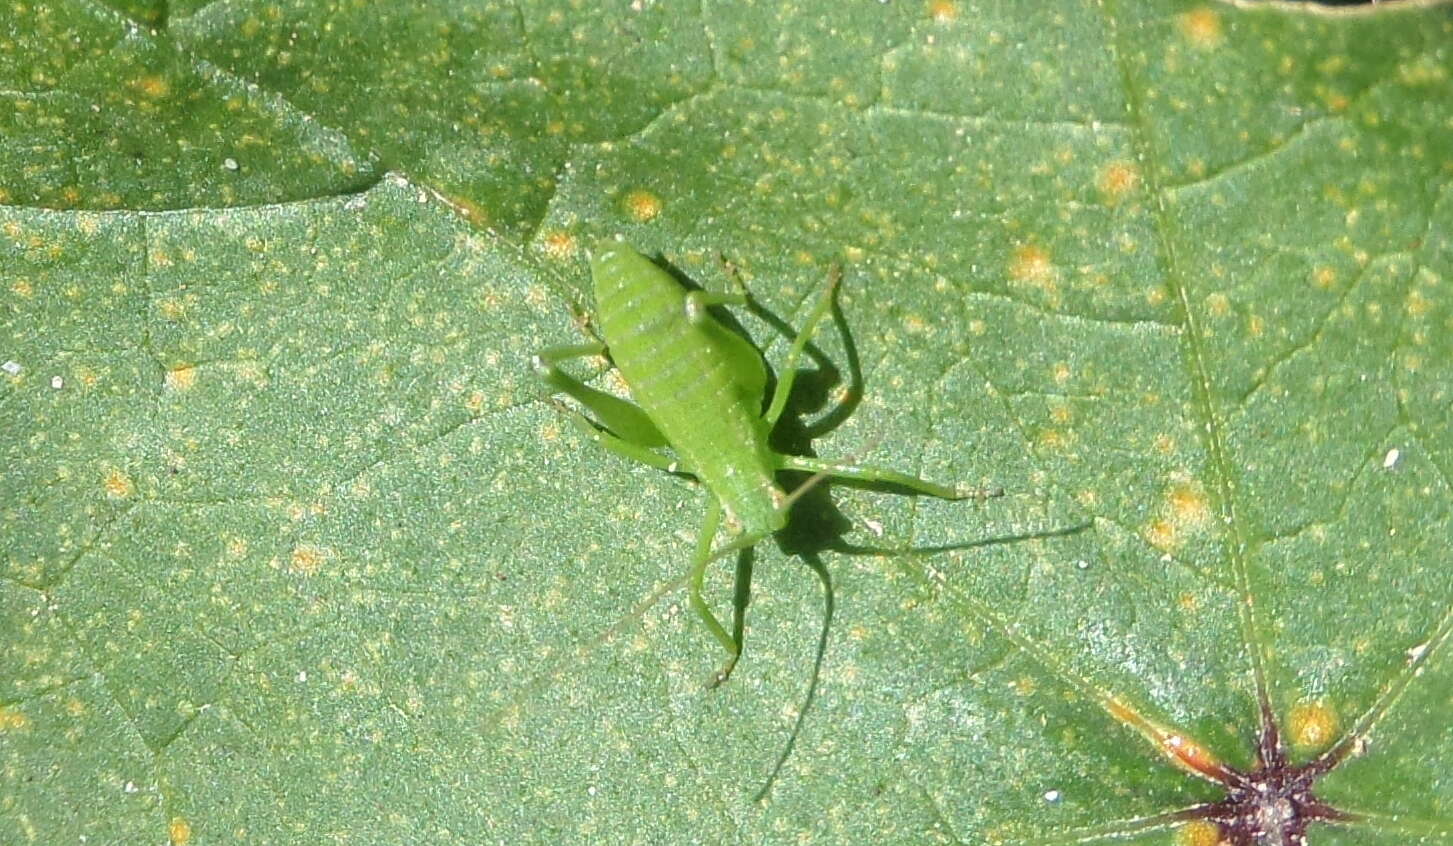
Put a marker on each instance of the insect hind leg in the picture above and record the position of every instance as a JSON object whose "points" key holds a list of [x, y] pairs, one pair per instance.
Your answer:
{"points": [[620, 446], [624, 419]]}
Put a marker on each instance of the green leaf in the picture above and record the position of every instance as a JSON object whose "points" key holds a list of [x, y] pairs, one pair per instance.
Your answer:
{"points": [[293, 549]]}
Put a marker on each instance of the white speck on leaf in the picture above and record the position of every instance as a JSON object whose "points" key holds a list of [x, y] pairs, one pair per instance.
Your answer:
{"points": [[57, 382], [1391, 459], [12, 367]]}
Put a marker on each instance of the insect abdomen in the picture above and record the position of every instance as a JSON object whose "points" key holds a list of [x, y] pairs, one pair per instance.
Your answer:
{"points": [[681, 375]]}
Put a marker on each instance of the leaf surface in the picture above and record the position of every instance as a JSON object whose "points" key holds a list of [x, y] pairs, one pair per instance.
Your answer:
{"points": [[295, 550]]}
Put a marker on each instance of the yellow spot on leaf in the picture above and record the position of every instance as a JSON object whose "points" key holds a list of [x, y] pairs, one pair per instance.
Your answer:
{"points": [[1031, 264], [308, 559], [152, 86], [118, 485], [1161, 534], [12, 719], [1324, 277], [643, 205], [1201, 27], [1312, 725], [1199, 833], [171, 309], [21, 288], [1219, 305], [181, 378], [1061, 373], [1164, 444], [943, 11], [1051, 439], [179, 831], [1418, 305], [1188, 504], [1119, 179], [560, 245]]}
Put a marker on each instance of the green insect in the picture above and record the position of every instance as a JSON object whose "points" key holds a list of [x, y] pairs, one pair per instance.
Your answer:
{"points": [[699, 389]]}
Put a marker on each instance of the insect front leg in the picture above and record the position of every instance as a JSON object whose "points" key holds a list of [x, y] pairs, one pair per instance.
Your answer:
{"points": [[698, 301], [624, 419], [620, 446]]}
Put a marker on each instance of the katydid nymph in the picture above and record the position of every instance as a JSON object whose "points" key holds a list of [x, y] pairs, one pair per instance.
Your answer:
{"points": [[699, 391]]}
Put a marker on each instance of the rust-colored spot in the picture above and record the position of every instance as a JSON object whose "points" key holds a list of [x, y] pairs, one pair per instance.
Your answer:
{"points": [[1162, 534], [1199, 833], [117, 484], [1031, 264], [152, 86], [1312, 725], [643, 205], [179, 831], [180, 378], [308, 559], [560, 245], [943, 11], [1189, 505], [1201, 27], [1119, 179]]}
